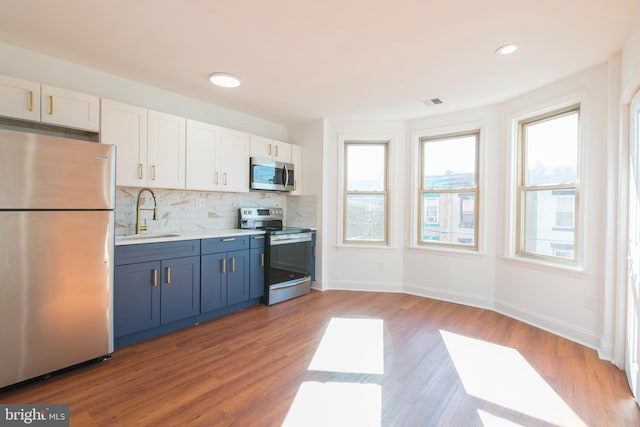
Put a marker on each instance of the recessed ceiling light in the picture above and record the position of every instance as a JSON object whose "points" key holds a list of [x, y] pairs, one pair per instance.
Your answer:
{"points": [[507, 49], [224, 80]]}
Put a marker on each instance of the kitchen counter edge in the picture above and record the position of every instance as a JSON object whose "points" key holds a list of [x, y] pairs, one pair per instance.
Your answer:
{"points": [[185, 236]]}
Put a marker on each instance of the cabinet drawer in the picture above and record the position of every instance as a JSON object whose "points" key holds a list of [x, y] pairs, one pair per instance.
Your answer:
{"points": [[224, 244], [256, 241], [130, 254]]}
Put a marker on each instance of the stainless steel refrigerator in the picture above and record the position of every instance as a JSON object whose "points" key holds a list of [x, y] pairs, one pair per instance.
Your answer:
{"points": [[57, 199]]}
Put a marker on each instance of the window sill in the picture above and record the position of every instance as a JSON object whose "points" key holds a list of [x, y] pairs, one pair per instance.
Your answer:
{"points": [[359, 246], [569, 270], [448, 250]]}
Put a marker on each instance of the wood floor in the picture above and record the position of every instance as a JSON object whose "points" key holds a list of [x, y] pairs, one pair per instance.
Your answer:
{"points": [[419, 362]]}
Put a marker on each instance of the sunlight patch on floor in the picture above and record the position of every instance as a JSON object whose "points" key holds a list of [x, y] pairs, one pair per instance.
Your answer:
{"points": [[490, 420], [352, 345], [501, 375], [336, 404]]}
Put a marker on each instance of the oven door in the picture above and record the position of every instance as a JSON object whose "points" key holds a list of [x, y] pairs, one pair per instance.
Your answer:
{"points": [[287, 272], [271, 175]]}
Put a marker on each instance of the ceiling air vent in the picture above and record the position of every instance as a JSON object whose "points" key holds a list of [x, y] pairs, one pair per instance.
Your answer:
{"points": [[433, 101]]}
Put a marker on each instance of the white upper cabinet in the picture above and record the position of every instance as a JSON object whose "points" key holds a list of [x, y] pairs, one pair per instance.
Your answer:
{"points": [[125, 126], [217, 158], [70, 109], [266, 148], [296, 159], [203, 156], [19, 99], [166, 150], [150, 145], [234, 160], [25, 100]]}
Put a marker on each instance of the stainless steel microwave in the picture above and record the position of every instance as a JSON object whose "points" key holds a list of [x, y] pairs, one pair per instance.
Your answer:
{"points": [[271, 175]]}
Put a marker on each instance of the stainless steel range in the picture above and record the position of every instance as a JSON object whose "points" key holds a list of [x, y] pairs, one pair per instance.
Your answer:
{"points": [[287, 253]]}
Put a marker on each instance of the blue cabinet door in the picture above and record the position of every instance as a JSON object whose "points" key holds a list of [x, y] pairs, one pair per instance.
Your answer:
{"points": [[237, 277], [256, 272], [136, 297], [213, 282], [180, 296], [312, 257]]}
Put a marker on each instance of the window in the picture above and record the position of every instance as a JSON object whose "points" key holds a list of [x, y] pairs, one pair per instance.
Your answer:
{"points": [[365, 192], [548, 186], [448, 190]]}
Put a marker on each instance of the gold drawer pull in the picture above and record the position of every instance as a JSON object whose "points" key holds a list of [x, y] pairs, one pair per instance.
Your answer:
{"points": [[155, 277], [224, 266], [168, 275]]}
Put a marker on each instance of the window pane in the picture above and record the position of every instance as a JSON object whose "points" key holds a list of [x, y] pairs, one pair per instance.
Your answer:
{"points": [[365, 217], [552, 151], [449, 163], [455, 218], [545, 229], [366, 167]]}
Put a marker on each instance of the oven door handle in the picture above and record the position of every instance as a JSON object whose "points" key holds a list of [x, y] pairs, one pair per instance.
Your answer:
{"points": [[283, 240]]}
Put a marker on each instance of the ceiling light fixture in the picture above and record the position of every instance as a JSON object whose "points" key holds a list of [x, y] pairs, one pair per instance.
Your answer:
{"points": [[224, 79], [507, 49]]}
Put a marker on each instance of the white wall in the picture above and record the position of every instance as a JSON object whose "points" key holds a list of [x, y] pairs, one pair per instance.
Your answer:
{"points": [[360, 268], [460, 276], [311, 137], [29, 65], [631, 60]]}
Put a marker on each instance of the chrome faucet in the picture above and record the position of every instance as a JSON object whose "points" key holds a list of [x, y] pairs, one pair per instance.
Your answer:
{"points": [[139, 227]]}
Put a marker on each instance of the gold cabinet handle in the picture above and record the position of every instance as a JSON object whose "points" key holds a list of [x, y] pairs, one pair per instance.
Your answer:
{"points": [[50, 104], [30, 100], [153, 172], [230, 239], [217, 178], [225, 178], [168, 275], [262, 259], [276, 151], [233, 264], [224, 266], [155, 277], [269, 149], [140, 171]]}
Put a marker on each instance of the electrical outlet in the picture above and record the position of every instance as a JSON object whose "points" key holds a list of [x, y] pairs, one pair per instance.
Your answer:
{"points": [[381, 265], [201, 203], [590, 302]]}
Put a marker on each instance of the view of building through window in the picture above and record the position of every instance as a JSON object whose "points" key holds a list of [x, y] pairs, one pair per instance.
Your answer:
{"points": [[448, 202], [365, 192], [548, 185]]}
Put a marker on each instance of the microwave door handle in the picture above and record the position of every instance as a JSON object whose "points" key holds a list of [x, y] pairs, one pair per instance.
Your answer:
{"points": [[285, 173]]}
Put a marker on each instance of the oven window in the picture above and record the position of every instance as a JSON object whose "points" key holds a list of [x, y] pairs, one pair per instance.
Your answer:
{"points": [[288, 261]]}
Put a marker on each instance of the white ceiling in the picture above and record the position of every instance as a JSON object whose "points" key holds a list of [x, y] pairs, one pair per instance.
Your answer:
{"points": [[301, 60]]}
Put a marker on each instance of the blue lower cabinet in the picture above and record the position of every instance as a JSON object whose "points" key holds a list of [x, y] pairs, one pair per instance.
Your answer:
{"points": [[256, 273], [213, 284], [136, 297], [180, 292], [225, 273]]}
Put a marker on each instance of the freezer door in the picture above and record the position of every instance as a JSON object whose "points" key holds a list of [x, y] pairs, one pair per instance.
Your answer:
{"points": [[46, 172], [55, 291]]}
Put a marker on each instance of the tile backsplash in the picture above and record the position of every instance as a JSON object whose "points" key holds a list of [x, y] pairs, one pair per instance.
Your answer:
{"points": [[193, 211]]}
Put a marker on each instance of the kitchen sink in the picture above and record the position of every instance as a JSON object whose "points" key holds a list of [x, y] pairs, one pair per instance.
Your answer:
{"points": [[145, 236]]}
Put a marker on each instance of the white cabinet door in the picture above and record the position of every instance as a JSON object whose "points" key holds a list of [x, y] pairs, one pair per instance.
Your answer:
{"points": [[234, 160], [19, 99], [266, 148], [202, 169], [70, 109], [261, 147], [166, 150], [125, 126], [296, 159], [281, 151]]}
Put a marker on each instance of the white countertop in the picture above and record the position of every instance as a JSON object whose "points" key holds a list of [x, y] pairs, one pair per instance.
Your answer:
{"points": [[172, 237]]}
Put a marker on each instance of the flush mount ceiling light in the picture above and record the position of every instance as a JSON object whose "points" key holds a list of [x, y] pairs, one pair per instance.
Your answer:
{"points": [[507, 49], [224, 79]]}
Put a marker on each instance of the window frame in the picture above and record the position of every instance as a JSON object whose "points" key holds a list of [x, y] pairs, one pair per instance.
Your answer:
{"points": [[476, 131], [522, 188], [346, 143]]}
